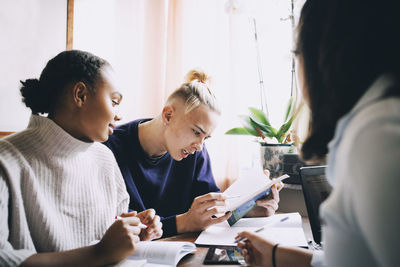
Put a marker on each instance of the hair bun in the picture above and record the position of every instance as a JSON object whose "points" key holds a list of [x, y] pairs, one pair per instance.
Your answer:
{"points": [[33, 97], [198, 75]]}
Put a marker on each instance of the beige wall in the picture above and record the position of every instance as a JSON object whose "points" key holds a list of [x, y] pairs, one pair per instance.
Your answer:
{"points": [[31, 32]]}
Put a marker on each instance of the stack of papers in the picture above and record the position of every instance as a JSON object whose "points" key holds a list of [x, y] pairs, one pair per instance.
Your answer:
{"points": [[287, 232]]}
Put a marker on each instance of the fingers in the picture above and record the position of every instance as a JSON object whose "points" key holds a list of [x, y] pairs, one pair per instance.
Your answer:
{"points": [[268, 203], [252, 239], [131, 220], [209, 197], [131, 224], [269, 206], [155, 226], [205, 206], [279, 186], [154, 230], [272, 201], [147, 216], [154, 223], [209, 208], [221, 219], [215, 210], [129, 214], [275, 193], [134, 231], [135, 238]]}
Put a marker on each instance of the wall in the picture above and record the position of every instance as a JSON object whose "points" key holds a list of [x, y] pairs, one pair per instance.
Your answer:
{"points": [[32, 32]]}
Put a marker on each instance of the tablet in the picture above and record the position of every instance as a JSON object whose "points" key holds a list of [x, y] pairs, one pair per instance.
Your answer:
{"points": [[224, 255]]}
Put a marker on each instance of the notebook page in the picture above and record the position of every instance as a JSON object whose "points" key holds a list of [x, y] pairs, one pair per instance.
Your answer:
{"points": [[288, 232]]}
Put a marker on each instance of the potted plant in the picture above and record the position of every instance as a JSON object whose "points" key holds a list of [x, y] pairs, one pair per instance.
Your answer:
{"points": [[275, 142]]}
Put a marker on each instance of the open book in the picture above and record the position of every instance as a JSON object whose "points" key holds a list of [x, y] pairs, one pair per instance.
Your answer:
{"points": [[246, 190], [162, 253], [285, 229]]}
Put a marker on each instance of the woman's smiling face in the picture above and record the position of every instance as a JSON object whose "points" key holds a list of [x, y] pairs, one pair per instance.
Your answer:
{"points": [[101, 110]]}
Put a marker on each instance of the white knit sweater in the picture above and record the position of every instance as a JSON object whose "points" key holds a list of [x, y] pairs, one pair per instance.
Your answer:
{"points": [[56, 192]]}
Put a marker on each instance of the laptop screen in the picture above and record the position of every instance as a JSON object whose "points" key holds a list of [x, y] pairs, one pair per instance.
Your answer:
{"points": [[316, 189]]}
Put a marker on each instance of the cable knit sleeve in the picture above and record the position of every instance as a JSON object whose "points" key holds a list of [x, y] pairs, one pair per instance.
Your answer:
{"points": [[9, 256], [123, 196]]}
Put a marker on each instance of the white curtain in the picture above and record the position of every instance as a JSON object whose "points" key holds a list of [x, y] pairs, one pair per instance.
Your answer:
{"points": [[153, 43]]}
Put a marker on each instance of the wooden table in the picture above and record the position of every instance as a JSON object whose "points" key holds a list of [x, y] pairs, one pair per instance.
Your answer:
{"points": [[197, 258]]}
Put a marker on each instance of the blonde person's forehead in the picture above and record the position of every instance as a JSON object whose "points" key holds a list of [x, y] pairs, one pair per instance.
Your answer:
{"points": [[203, 117]]}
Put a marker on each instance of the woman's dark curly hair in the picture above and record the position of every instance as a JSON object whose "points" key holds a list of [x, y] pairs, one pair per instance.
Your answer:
{"points": [[68, 67], [345, 46]]}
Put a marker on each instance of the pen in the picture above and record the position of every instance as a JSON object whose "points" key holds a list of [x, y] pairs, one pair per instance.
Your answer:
{"points": [[262, 228], [141, 225]]}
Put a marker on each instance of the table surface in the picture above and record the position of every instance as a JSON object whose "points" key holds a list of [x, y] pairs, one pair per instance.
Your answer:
{"points": [[197, 258]]}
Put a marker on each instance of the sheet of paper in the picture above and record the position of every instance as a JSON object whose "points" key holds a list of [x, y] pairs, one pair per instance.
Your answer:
{"points": [[243, 188], [250, 183], [289, 232]]}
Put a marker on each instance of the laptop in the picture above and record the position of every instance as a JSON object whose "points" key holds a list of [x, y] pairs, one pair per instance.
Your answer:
{"points": [[316, 189]]}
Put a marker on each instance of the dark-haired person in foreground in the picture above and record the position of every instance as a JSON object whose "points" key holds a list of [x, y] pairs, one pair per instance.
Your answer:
{"points": [[348, 57], [59, 188]]}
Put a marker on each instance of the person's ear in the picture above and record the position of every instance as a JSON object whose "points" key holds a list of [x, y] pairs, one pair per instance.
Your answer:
{"points": [[80, 93], [167, 114]]}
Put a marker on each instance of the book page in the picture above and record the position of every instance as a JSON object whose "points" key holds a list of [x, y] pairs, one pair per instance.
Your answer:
{"points": [[163, 252], [131, 263], [249, 184], [288, 232]]}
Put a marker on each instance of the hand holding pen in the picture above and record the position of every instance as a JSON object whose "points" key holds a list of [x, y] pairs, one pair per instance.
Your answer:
{"points": [[152, 221], [141, 225], [120, 239], [270, 224]]}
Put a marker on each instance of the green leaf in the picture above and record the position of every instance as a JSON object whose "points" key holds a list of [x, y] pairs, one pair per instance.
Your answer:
{"points": [[257, 125], [260, 116], [284, 129], [246, 123], [238, 131], [266, 127], [289, 109]]}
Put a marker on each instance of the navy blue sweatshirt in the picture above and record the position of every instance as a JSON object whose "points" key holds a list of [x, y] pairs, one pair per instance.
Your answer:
{"points": [[166, 185]]}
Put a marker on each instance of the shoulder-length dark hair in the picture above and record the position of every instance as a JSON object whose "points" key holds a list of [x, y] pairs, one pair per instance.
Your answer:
{"points": [[345, 45]]}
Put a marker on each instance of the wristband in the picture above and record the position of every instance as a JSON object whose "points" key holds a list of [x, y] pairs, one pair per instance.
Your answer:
{"points": [[273, 254]]}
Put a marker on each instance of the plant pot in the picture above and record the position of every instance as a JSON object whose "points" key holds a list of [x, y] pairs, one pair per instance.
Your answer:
{"points": [[272, 157]]}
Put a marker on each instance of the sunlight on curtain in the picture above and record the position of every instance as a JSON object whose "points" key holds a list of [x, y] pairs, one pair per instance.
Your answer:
{"points": [[153, 43], [131, 35]]}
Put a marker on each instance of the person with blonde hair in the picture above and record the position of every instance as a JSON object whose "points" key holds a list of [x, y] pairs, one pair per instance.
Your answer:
{"points": [[166, 165]]}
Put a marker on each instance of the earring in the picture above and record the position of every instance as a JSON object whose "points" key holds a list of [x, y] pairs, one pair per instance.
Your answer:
{"points": [[165, 124]]}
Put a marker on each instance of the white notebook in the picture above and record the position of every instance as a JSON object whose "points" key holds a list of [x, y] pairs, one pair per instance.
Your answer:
{"points": [[156, 254], [288, 232], [162, 253]]}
